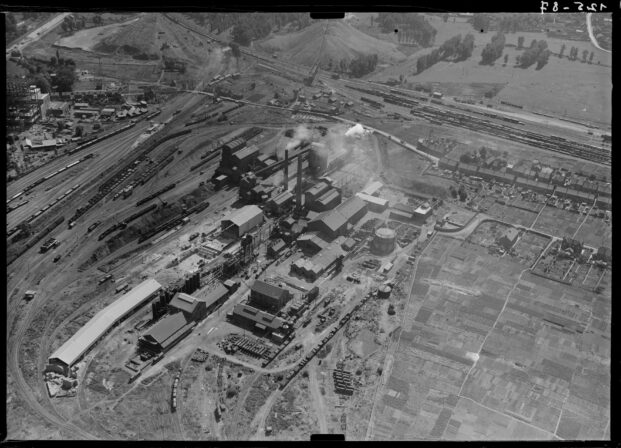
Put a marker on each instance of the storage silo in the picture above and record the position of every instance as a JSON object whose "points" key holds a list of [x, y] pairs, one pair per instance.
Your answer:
{"points": [[384, 241]]}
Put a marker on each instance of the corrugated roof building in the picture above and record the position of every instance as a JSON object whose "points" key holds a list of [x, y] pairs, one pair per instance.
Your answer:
{"points": [[335, 222], [327, 201], [192, 308], [72, 350], [241, 221], [165, 334], [262, 320], [373, 188], [315, 191], [281, 202], [375, 204]]}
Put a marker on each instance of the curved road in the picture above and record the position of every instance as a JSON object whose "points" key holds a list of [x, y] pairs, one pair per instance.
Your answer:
{"points": [[590, 29]]}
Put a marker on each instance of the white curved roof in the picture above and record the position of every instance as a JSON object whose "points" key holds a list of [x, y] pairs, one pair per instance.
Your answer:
{"points": [[101, 322]]}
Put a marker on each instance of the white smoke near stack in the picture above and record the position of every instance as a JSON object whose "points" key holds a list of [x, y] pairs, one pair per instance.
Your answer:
{"points": [[300, 133], [357, 131], [277, 179]]}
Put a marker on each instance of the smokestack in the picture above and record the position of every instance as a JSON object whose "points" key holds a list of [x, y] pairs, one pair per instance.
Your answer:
{"points": [[298, 193], [286, 179]]}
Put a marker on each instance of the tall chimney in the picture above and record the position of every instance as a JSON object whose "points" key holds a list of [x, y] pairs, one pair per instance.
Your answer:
{"points": [[298, 187], [286, 180]]}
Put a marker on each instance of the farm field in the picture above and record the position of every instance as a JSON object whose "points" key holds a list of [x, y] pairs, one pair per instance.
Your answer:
{"points": [[557, 221], [595, 232], [521, 382]]}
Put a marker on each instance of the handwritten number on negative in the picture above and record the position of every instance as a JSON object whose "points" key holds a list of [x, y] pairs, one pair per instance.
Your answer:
{"points": [[581, 6]]}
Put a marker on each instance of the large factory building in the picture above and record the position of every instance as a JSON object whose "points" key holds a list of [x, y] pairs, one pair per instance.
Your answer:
{"points": [[268, 297], [104, 321], [337, 222], [239, 222], [185, 312]]}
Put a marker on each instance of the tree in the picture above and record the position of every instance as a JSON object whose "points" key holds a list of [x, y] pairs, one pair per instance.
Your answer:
{"points": [[585, 54], [506, 58], [445, 17], [65, 77], [466, 47], [542, 59], [79, 131], [391, 309], [493, 50], [591, 58], [235, 51], [463, 195], [41, 82], [560, 55], [53, 61], [520, 43], [481, 22], [240, 36]]}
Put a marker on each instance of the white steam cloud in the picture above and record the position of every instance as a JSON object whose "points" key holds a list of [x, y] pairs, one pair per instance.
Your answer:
{"points": [[300, 133], [356, 131]]}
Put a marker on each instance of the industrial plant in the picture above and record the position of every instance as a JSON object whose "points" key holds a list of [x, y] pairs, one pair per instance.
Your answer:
{"points": [[263, 226]]}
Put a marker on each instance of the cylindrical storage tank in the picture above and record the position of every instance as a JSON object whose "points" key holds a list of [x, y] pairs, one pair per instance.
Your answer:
{"points": [[384, 292], [384, 241]]}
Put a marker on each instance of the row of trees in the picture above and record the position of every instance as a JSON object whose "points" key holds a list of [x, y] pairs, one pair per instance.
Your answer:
{"points": [[454, 49], [493, 50], [537, 53], [509, 23], [573, 54], [414, 27], [358, 67], [71, 24]]}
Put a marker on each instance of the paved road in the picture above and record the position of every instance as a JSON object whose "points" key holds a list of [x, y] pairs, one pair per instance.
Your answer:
{"points": [[38, 33]]}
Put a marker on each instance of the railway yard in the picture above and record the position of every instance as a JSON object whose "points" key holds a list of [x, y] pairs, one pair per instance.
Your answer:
{"points": [[354, 258]]}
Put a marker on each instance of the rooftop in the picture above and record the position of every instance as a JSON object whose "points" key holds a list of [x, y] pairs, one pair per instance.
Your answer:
{"points": [[269, 290], [86, 336], [164, 331], [244, 214], [246, 152], [372, 188], [372, 199], [250, 312], [184, 302]]}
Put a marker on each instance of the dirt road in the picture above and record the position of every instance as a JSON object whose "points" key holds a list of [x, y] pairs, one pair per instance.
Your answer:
{"points": [[318, 402]]}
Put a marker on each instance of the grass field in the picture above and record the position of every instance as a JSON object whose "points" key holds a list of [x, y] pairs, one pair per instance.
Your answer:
{"points": [[342, 41], [558, 88]]}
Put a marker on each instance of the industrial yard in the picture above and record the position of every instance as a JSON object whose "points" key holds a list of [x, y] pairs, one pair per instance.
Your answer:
{"points": [[255, 242]]}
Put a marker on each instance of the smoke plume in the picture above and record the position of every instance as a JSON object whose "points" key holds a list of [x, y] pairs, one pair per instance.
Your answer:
{"points": [[356, 131]]}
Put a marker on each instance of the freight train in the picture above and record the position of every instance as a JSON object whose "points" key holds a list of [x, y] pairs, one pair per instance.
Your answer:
{"points": [[156, 194]]}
